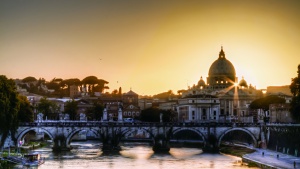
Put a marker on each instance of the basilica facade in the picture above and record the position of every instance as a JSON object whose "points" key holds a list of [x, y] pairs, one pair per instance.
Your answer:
{"points": [[221, 98]]}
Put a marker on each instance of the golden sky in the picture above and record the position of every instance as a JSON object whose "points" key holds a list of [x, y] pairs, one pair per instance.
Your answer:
{"points": [[150, 46]]}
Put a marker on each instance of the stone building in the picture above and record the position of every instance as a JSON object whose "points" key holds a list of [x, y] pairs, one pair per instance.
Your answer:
{"points": [[198, 108], [130, 104], [230, 98], [280, 113]]}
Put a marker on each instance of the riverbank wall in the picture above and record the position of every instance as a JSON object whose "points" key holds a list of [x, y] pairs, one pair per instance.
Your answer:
{"points": [[257, 163], [265, 158]]}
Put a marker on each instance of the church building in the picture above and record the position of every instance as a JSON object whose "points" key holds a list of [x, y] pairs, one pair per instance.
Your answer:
{"points": [[222, 98]]}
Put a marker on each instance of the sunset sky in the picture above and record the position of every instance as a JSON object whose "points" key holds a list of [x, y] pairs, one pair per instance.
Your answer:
{"points": [[150, 46]]}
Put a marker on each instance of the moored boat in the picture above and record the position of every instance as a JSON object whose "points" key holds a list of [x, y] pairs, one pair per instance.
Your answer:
{"points": [[33, 160]]}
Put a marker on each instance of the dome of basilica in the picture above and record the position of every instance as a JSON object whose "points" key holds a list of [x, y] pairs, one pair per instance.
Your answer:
{"points": [[222, 67], [221, 73], [201, 82], [243, 83]]}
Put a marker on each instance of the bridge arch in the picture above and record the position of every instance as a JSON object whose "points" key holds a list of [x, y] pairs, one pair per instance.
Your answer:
{"points": [[238, 129], [25, 131], [128, 131], [75, 131], [193, 130]]}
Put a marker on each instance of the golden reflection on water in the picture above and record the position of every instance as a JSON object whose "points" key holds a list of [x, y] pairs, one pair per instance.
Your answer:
{"points": [[88, 155], [184, 153], [138, 152]]}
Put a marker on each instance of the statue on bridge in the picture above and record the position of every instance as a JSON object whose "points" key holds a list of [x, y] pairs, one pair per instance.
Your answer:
{"points": [[40, 117], [105, 114], [67, 117], [120, 114], [82, 117]]}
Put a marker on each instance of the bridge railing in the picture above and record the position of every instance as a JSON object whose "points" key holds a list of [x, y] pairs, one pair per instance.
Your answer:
{"points": [[136, 124]]}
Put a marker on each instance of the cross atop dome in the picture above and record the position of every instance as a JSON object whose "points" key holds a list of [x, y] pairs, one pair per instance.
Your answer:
{"points": [[221, 54]]}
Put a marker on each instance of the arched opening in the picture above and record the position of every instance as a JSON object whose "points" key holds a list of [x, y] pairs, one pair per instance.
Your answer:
{"points": [[84, 142], [33, 138], [136, 135], [240, 137], [81, 135], [188, 137]]}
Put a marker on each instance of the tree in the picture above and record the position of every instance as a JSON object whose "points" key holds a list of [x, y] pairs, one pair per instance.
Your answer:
{"points": [[25, 113], [152, 114], [65, 85], [295, 90], [94, 84], [47, 107], [29, 79], [95, 112], [9, 107], [71, 109], [264, 103], [165, 95]]}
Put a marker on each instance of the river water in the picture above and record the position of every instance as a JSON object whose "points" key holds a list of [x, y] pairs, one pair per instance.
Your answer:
{"points": [[87, 155]]}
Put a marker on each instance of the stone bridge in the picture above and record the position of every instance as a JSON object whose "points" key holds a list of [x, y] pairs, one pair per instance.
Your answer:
{"points": [[111, 133]]}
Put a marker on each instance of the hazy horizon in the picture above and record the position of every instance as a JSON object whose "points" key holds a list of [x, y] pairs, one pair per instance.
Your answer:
{"points": [[150, 46]]}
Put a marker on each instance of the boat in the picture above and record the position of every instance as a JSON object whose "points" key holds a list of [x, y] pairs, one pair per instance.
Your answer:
{"points": [[34, 159]]}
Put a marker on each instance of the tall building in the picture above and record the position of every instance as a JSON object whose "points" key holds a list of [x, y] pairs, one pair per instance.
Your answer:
{"points": [[222, 98]]}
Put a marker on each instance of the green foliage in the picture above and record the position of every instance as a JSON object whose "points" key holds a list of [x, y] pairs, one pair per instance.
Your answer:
{"points": [[153, 115], [295, 90], [95, 112], [25, 113], [71, 109], [94, 84], [9, 107], [46, 107], [54, 84], [61, 87], [169, 95], [29, 79], [263, 103]]}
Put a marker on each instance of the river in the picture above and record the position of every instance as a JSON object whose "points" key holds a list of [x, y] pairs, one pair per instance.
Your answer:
{"points": [[87, 155]]}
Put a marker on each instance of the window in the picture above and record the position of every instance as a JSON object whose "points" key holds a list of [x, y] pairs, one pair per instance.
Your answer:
{"points": [[235, 112], [215, 113], [203, 112], [193, 113], [222, 111]]}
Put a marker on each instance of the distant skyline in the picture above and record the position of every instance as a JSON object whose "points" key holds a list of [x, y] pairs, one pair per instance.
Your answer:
{"points": [[150, 46]]}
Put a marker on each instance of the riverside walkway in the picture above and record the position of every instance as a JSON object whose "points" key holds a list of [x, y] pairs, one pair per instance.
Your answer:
{"points": [[273, 159]]}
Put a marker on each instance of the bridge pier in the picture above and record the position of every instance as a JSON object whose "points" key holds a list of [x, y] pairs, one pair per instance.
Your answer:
{"points": [[162, 140], [161, 144], [60, 144], [211, 145], [110, 139]]}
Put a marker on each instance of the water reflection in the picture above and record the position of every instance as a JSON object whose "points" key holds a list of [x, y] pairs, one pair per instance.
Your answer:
{"points": [[87, 155]]}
